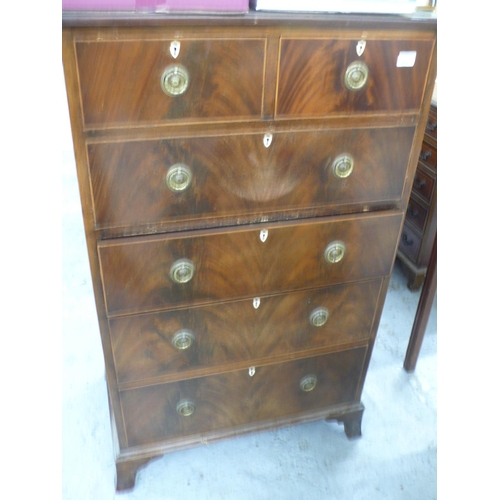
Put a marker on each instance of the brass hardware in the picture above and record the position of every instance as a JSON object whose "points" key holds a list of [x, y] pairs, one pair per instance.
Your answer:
{"points": [[175, 48], [175, 80], [183, 339], [308, 383], [268, 138], [256, 302], [343, 166], [263, 235], [360, 47], [335, 252], [178, 177], [251, 371], [356, 75], [185, 408], [182, 271], [319, 316]]}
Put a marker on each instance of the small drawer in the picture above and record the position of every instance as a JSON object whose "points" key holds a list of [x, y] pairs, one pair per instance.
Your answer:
{"points": [[428, 156], [233, 400], [410, 243], [144, 274], [140, 82], [180, 341], [423, 184], [416, 214], [157, 181], [324, 77], [431, 126]]}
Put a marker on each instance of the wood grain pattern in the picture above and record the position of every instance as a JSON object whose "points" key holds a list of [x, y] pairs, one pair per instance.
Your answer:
{"points": [[250, 74], [273, 392], [311, 77], [236, 175], [236, 332], [234, 264], [120, 81]]}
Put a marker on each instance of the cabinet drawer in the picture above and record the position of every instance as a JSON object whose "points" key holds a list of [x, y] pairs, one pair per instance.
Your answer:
{"points": [[410, 242], [428, 156], [312, 76], [237, 174], [120, 81], [180, 341], [417, 214], [423, 184], [138, 273], [431, 126], [217, 402]]}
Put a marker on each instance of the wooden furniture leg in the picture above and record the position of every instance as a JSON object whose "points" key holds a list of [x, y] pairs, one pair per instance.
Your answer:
{"points": [[351, 420], [423, 311], [126, 472]]}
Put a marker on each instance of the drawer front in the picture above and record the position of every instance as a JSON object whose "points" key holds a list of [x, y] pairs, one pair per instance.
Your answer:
{"points": [[312, 76], [431, 126], [120, 81], [137, 272], [235, 175], [237, 399], [410, 242], [428, 156], [179, 341], [423, 184], [417, 214]]}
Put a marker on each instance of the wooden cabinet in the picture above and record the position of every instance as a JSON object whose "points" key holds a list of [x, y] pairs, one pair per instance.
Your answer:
{"points": [[420, 226], [244, 181]]}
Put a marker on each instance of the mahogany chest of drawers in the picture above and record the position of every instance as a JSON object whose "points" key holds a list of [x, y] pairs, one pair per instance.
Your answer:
{"points": [[244, 181], [420, 225]]}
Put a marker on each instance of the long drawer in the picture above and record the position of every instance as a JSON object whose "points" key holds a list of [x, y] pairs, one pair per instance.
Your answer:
{"points": [[208, 404], [191, 340], [144, 274], [144, 182], [209, 79]]}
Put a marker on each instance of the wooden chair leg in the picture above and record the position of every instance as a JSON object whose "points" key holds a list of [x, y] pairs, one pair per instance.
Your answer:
{"points": [[423, 311]]}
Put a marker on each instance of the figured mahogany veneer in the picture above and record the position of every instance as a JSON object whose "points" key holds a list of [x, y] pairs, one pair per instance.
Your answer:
{"points": [[311, 77], [233, 400], [120, 80], [261, 329], [231, 333], [231, 264], [236, 175]]}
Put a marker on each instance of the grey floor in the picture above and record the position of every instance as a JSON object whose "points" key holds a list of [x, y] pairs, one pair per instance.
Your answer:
{"points": [[395, 458]]}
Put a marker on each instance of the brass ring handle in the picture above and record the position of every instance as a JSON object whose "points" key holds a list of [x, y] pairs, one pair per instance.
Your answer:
{"points": [[178, 177], [182, 271], [356, 75], [183, 339], [335, 252], [319, 316], [308, 383], [175, 80], [343, 166], [185, 407]]}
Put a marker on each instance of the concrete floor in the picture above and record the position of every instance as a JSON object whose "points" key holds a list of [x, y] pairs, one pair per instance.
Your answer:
{"points": [[395, 458]]}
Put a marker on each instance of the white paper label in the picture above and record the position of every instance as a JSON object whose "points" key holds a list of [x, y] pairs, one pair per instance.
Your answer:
{"points": [[406, 59]]}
